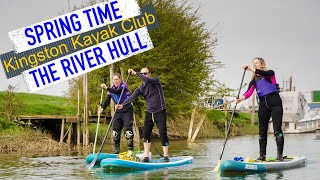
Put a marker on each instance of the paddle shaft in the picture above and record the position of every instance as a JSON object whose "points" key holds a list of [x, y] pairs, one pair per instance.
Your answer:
{"points": [[230, 121], [105, 136], [95, 139]]}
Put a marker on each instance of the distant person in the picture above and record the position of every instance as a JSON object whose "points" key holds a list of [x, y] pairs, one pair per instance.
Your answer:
{"points": [[123, 118], [265, 84], [151, 90]]}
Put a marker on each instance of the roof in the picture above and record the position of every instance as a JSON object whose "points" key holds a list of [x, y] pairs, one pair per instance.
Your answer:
{"points": [[314, 105]]}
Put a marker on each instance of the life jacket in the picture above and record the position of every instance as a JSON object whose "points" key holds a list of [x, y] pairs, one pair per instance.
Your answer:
{"points": [[264, 86]]}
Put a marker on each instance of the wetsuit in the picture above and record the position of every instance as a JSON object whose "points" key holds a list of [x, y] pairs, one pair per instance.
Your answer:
{"points": [[152, 92], [270, 106], [123, 117]]}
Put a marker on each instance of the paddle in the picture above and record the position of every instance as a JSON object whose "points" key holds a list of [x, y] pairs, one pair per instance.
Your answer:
{"points": [[157, 150], [153, 143], [89, 166], [229, 125], [95, 139]]}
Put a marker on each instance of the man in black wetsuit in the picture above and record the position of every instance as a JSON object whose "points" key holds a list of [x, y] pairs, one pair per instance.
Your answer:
{"points": [[151, 90]]}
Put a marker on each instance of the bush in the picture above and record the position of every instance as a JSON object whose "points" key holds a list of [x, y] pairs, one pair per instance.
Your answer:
{"points": [[5, 124]]}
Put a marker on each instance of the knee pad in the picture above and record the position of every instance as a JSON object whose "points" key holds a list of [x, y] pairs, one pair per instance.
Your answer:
{"points": [[165, 143], [115, 133], [116, 136], [129, 134], [278, 134]]}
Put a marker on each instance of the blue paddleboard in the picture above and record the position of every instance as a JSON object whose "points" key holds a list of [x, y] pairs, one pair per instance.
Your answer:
{"points": [[262, 166], [112, 163], [102, 156], [91, 157]]}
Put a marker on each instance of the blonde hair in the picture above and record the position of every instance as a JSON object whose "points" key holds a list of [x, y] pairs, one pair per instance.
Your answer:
{"points": [[264, 66], [118, 75]]}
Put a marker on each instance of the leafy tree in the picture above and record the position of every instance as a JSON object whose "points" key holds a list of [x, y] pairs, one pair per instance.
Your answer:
{"points": [[182, 58]]}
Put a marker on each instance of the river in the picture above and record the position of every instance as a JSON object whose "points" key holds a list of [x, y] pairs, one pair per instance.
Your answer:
{"points": [[206, 153]]}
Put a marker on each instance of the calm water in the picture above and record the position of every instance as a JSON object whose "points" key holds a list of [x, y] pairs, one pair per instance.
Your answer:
{"points": [[205, 152]]}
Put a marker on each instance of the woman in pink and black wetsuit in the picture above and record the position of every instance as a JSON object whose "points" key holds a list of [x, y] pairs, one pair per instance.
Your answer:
{"points": [[265, 84]]}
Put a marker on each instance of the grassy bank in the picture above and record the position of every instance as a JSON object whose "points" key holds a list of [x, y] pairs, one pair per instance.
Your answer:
{"points": [[36, 104]]}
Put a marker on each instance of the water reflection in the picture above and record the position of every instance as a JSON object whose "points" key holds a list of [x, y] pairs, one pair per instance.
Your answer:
{"points": [[262, 176], [117, 173]]}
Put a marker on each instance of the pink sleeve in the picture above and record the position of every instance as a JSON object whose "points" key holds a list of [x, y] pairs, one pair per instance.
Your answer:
{"points": [[249, 92]]}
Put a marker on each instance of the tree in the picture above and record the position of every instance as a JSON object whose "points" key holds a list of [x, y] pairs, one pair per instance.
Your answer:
{"points": [[10, 105], [182, 58]]}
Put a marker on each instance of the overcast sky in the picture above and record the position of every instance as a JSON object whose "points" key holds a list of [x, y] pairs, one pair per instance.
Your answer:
{"points": [[285, 33]]}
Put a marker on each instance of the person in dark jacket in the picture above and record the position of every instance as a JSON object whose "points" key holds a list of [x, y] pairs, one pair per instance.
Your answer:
{"points": [[123, 118], [265, 84], [151, 90]]}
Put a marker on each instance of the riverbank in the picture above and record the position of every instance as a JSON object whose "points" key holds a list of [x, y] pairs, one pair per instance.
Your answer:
{"points": [[17, 139]]}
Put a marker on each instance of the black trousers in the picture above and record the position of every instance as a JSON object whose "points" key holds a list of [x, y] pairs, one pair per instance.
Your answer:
{"points": [[160, 118], [270, 107], [123, 119]]}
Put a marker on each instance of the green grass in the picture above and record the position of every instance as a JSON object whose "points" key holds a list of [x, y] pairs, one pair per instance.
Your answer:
{"points": [[241, 122], [36, 104]]}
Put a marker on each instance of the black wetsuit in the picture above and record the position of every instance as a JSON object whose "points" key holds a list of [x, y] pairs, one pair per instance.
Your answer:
{"points": [[152, 92], [123, 118], [270, 106]]}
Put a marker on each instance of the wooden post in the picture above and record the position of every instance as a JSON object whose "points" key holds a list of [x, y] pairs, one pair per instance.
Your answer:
{"points": [[69, 134], [85, 111], [198, 128], [136, 131], [84, 127], [290, 83], [122, 74], [191, 124], [62, 130], [78, 121]]}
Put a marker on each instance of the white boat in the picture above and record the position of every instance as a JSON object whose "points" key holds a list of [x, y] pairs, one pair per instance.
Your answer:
{"points": [[298, 116]]}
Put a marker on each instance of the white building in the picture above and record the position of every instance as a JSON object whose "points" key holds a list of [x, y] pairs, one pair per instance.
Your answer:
{"points": [[296, 114]]}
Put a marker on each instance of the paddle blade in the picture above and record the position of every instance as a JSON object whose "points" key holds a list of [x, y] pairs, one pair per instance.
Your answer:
{"points": [[217, 167], [90, 166]]}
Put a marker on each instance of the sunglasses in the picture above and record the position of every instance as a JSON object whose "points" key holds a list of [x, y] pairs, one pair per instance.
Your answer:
{"points": [[145, 73]]}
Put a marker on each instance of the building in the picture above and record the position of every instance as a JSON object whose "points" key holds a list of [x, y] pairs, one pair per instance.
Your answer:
{"points": [[298, 117]]}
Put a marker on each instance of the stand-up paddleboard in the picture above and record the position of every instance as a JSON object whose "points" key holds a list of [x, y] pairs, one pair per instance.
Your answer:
{"points": [[262, 166], [91, 157], [111, 163], [102, 156]]}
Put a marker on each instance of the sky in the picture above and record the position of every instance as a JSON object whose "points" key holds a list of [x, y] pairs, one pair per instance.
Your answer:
{"points": [[285, 33]]}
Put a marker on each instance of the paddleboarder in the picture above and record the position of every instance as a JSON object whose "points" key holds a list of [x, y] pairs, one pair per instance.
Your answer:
{"points": [[270, 105], [123, 118], [151, 90]]}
